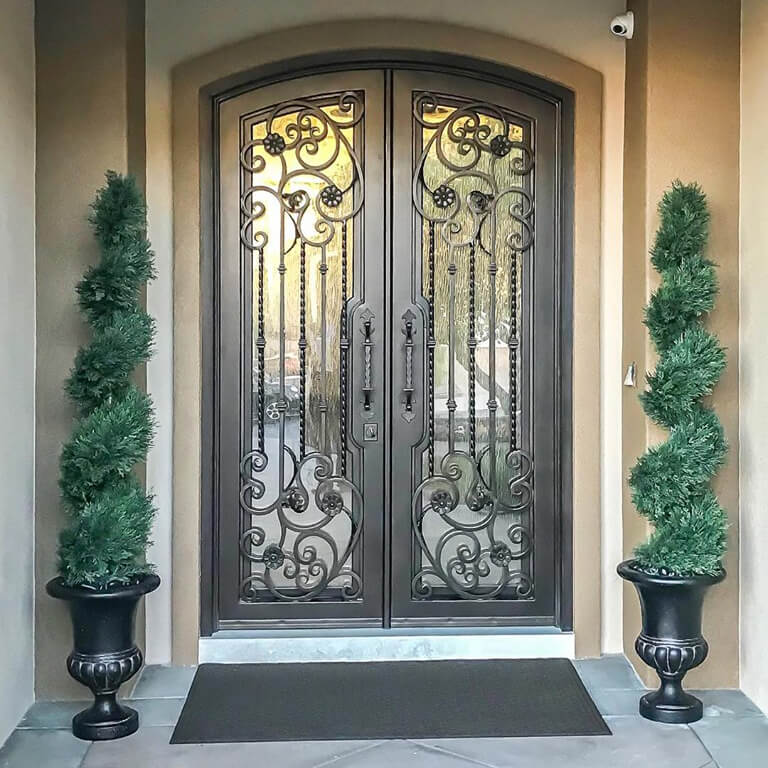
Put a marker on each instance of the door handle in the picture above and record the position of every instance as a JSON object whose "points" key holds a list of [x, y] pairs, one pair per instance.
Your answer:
{"points": [[409, 331], [367, 331]]}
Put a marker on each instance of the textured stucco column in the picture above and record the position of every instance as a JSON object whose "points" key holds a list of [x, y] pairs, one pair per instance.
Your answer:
{"points": [[17, 356], [682, 121], [90, 112], [754, 361]]}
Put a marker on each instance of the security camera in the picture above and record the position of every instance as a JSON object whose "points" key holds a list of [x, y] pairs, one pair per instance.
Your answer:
{"points": [[623, 25]]}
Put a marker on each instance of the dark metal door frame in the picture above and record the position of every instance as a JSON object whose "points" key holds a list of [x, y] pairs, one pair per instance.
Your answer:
{"points": [[561, 100]]}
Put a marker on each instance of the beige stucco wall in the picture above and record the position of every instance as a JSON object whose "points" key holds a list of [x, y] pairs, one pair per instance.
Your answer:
{"points": [[89, 118], [752, 350], [683, 121], [580, 33], [17, 356]]}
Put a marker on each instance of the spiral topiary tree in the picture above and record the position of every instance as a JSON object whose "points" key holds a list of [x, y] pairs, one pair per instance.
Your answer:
{"points": [[109, 513], [671, 482]]}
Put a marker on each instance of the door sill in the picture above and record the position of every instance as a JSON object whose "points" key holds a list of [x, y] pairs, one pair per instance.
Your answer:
{"points": [[261, 646]]}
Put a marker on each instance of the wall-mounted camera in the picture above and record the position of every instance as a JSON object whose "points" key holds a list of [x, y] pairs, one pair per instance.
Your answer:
{"points": [[623, 25]]}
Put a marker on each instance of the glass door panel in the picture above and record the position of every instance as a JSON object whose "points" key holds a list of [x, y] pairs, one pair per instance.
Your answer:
{"points": [[299, 351], [473, 167]]}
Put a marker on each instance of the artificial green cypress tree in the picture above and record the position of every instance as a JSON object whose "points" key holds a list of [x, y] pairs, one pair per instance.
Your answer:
{"points": [[671, 482], [109, 514]]}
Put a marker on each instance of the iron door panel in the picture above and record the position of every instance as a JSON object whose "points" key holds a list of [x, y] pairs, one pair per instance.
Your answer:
{"points": [[391, 340], [475, 350], [299, 384]]}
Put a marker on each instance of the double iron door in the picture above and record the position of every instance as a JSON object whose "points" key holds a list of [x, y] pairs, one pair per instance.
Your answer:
{"points": [[387, 342]]}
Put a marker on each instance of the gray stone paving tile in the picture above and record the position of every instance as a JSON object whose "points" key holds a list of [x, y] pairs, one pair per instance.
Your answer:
{"points": [[150, 747], [617, 703], [164, 682], [405, 754], [608, 672], [42, 749], [156, 712], [52, 714], [636, 743], [735, 742], [727, 703], [59, 714]]}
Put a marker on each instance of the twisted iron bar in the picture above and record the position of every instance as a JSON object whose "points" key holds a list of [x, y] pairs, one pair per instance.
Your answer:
{"points": [[343, 353]]}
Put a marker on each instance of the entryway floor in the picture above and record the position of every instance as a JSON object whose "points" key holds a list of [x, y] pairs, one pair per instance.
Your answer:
{"points": [[733, 734]]}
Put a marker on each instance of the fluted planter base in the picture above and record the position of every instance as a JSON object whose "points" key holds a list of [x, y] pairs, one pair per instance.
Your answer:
{"points": [[671, 704], [106, 719], [104, 655], [670, 641]]}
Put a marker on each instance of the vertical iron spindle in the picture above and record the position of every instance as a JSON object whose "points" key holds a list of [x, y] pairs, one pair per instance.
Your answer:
{"points": [[451, 350], [513, 342], [303, 350], [323, 407], [472, 344], [431, 349], [492, 403], [344, 345], [260, 344]]}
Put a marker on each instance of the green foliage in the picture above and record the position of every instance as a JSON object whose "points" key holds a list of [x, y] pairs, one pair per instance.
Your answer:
{"points": [[107, 539], [110, 515], [670, 483], [103, 369]]}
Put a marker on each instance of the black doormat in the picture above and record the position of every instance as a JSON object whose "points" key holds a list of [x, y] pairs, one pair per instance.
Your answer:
{"points": [[386, 700]]}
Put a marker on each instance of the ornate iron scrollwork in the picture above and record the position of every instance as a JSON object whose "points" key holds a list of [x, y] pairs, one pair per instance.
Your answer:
{"points": [[295, 552], [472, 185], [462, 556], [302, 186]]}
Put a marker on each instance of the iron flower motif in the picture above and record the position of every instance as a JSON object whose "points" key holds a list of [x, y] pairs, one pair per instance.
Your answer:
{"points": [[331, 195], [501, 554], [274, 143], [332, 503], [444, 196], [440, 501], [273, 557], [296, 200], [500, 145], [479, 501], [479, 201], [295, 501]]}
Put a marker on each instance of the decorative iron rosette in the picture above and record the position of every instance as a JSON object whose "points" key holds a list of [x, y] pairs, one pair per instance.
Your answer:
{"points": [[500, 145], [274, 144], [331, 196], [273, 557], [444, 196]]}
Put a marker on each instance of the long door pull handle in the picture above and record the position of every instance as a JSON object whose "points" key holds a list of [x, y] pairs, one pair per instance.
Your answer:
{"points": [[367, 331], [409, 331]]}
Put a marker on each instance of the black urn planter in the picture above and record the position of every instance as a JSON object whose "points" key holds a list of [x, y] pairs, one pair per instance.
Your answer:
{"points": [[104, 654], [670, 641]]}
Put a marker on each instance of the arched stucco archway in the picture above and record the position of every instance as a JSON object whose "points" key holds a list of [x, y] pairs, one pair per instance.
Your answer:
{"points": [[194, 82]]}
